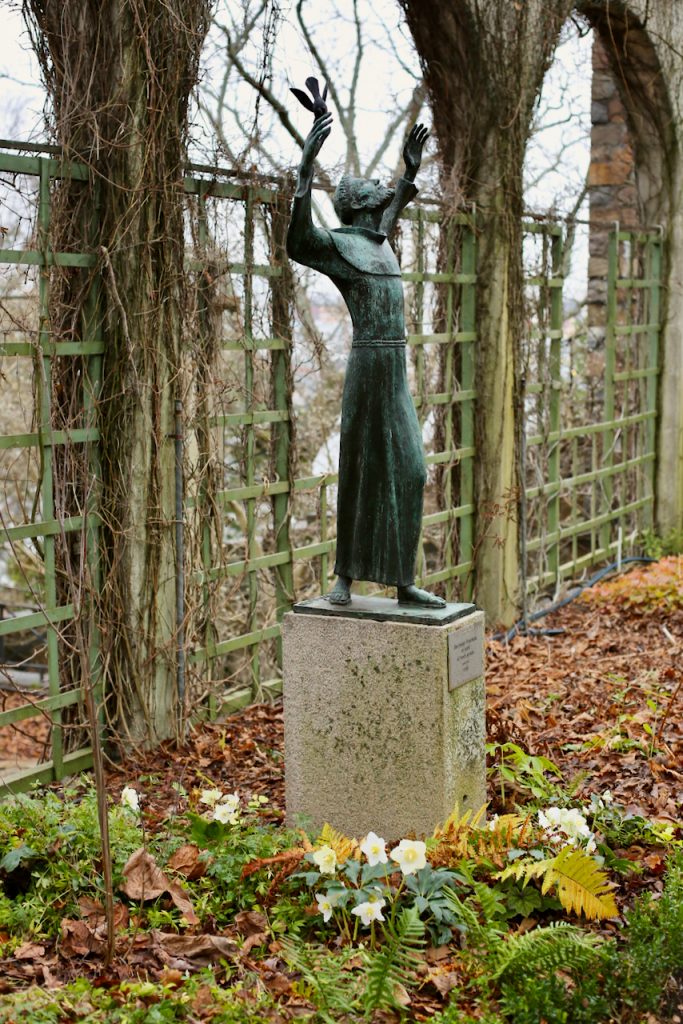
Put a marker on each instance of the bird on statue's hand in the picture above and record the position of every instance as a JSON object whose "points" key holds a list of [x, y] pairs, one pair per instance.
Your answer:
{"points": [[317, 106]]}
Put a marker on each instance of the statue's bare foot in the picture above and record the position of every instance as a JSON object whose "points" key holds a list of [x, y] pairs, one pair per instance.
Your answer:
{"points": [[413, 595], [341, 591]]}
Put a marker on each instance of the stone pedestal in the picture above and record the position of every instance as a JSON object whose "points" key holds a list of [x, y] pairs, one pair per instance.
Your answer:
{"points": [[384, 720]]}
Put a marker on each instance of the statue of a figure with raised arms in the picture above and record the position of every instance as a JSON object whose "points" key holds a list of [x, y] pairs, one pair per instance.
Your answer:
{"points": [[382, 468]]}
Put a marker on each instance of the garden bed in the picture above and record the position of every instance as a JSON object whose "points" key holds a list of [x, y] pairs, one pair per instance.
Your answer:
{"points": [[565, 905]]}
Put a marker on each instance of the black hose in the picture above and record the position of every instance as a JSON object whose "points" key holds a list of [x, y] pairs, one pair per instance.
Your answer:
{"points": [[521, 628]]}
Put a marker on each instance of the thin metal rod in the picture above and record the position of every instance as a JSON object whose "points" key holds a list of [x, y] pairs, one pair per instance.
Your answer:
{"points": [[180, 557]]}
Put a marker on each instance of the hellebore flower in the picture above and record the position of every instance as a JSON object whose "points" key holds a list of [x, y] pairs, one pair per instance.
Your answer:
{"points": [[410, 855], [370, 911], [130, 799], [210, 797], [325, 906], [231, 800], [325, 859], [566, 825], [225, 813], [374, 849]]}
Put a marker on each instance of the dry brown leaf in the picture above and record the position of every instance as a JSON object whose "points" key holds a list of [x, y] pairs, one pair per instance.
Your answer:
{"points": [[29, 951], [288, 857], [443, 981], [183, 902], [79, 939], [189, 952], [186, 862], [144, 879], [251, 922]]}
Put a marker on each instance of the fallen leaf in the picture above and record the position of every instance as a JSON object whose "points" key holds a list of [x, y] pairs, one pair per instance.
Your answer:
{"points": [[276, 983], [79, 939], [29, 951], [144, 879], [287, 857], [190, 952], [186, 862], [183, 902], [251, 922], [257, 939]]}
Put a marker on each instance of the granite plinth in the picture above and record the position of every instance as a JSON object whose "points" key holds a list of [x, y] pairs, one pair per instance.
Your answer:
{"points": [[384, 721]]}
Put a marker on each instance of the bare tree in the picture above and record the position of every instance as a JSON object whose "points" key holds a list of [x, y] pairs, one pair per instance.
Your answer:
{"points": [[119, 74]]}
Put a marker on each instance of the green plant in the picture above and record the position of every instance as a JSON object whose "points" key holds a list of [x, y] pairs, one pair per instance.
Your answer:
{"points": [[514, 767], [393, 965], [582, 887], [657, 546], [48, 846], [134, 1002], [231, 847], [326, 979], [623, 829]]}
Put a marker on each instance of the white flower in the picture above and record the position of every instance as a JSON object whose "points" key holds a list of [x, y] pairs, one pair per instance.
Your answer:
{"points": [[325, 905], [130, 799], [607, 798], [226, 814], [410, 855], [210, 797], [370, 910], [566, 825], [231, 800], [374, 849], [326, 860], [549, 819]]}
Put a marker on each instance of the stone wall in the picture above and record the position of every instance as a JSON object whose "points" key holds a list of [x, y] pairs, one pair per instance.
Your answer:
{"points": [[611, 181]]}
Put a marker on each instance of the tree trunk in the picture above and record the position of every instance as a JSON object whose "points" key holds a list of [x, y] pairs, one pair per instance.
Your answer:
{"points": [[119, 74], [484, 65]]}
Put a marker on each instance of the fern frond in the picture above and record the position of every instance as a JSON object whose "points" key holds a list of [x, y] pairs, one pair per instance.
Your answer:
{"points": [[455, 823], [477, 934], [341, 844], [582, 887], [395, 962], [488, 899], [544, 950], [525, 870], [325, 974]]}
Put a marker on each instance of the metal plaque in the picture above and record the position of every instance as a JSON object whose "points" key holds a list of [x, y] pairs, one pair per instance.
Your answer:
{"points": [[465, 655]]}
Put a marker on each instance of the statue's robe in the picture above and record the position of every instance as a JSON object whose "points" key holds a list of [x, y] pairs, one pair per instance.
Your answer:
{"points": [[381, 461]]}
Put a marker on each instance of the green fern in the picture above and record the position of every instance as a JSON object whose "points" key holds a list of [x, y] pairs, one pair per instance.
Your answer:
{"points": [[332, 987], [582, 887], [394, 963], [544, 950]]}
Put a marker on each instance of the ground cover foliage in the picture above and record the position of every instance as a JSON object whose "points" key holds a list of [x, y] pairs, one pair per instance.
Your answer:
{"points": [[565, 905]]}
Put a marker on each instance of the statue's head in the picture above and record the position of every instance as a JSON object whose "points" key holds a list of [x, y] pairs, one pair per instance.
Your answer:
{"points": [[353, 195]]}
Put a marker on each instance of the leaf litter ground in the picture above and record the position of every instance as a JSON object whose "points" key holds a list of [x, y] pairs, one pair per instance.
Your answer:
{"points": [[600, 696]]}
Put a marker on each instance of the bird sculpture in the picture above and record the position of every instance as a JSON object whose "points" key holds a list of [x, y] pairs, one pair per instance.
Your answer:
{"points": [[317, 106]]}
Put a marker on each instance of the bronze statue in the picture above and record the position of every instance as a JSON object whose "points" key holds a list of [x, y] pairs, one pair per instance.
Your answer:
{"points": [[382, 470]]}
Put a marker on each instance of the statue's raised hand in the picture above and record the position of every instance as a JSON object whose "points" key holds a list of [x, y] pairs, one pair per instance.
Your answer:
{"points": [[314, 140], [412, 151]]}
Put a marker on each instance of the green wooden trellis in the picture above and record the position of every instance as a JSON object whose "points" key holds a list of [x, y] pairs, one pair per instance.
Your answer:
{"points": [[598, 492], [51, 524], [598, 475]]}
